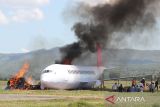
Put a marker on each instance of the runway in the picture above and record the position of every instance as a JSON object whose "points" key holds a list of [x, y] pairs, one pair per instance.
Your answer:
{"points": [[15, 97]]}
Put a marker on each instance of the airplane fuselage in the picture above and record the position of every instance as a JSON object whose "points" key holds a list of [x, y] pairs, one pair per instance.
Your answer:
{"points": [[59, 76]]}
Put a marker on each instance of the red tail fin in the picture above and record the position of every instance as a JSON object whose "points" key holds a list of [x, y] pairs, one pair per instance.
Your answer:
{"points": [[99, 55]]}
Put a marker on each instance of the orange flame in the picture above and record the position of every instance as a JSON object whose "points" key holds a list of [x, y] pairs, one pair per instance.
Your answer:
{"points": [[29, 80], [67, 62], [19, 81], [22, 71]]}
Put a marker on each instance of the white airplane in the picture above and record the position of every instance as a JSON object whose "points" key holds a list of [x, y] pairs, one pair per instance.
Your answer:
{"points": [[58, 76]]}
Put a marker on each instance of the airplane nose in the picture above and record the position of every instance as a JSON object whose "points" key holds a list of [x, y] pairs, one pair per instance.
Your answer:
{"points": [[44, 78]]}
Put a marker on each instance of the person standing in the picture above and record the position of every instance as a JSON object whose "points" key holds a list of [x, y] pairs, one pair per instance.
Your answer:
{"points": [[152, 87], [120, 88], [134, 82], [141, 87], [156, 84], [143, 82], [115, 87]]}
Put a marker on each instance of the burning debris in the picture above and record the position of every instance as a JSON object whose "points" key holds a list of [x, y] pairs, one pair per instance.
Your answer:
{"points": [[124, 16], [19, 81]]}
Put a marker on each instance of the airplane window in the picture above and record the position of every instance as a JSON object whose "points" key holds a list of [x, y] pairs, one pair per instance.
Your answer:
{"points": [[46, 71], [80, 72]]}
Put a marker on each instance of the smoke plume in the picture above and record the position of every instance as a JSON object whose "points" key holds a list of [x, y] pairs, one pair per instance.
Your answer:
{"points": [[99, 23]]}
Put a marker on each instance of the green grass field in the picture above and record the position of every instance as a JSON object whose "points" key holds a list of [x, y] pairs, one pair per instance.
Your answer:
{"points": [[76, 98]]}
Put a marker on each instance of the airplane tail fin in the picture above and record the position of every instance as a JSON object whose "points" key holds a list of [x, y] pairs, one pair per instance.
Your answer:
{"points": [[99, 55]]}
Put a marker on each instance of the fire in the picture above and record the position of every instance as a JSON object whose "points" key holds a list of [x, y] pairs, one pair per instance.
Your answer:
{"points": [[18, 81], [22, 71], [29, 80], [67, 62]]}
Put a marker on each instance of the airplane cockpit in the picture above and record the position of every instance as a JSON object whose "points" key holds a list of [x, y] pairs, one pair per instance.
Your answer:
{"points": [[46, 71]]}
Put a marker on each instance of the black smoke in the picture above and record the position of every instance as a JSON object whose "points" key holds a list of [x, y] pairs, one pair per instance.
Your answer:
{"points": [[71, 51], [106, 19]]}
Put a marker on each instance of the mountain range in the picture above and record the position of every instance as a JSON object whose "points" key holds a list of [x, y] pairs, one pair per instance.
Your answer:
{"points": [[124, 60]]}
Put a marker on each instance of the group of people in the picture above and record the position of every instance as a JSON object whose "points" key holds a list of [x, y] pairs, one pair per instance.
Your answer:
{"points": [[153, 86], [136, 87], [117, 88]]}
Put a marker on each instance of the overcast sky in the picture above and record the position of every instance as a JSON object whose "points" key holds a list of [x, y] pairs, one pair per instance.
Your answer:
{"points": [[27, 25]]}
